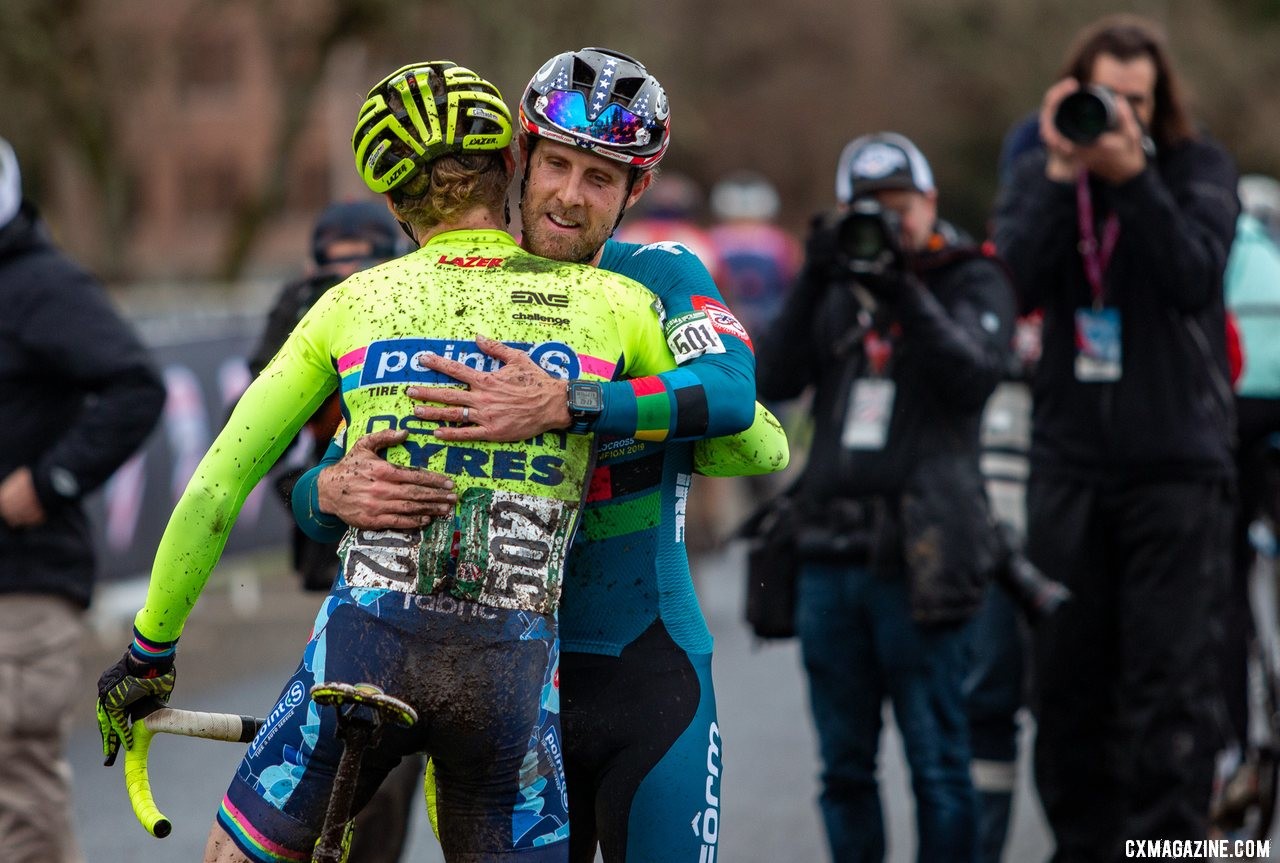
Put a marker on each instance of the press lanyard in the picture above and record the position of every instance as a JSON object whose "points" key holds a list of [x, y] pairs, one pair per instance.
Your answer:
{"points": [[1096, 257], [877, 349]]}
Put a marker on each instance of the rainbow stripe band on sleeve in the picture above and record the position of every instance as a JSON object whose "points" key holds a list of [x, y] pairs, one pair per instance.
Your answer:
{"points": [[653, 408], [151, 652], [673, 404]]}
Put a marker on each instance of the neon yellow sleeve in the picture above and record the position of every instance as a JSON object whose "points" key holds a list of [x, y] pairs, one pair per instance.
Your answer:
{"points": [[635, 310], [761, 449], [263, 424]]}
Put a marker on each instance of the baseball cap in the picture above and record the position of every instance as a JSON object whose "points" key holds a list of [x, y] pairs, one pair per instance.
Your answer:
{"points": [[10, 183], [885, 160]]}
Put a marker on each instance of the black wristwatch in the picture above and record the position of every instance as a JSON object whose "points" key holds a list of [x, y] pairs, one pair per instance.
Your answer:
{"points": [[586, 401]]}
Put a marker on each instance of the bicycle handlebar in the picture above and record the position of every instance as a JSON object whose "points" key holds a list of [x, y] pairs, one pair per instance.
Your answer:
{"points": [[188, 723]]}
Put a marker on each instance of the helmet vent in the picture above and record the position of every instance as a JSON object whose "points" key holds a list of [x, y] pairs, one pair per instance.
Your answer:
{"points": [[628, 87]]}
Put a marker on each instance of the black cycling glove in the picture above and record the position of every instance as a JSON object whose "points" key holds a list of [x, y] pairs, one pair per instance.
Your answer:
{"points": [[124, 683]]}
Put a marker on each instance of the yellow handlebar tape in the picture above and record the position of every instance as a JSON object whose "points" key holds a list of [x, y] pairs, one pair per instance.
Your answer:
{"points": [[188, 723]]}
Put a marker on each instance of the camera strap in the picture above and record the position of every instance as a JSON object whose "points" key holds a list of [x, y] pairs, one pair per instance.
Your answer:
{"points": [[1096, 256]]}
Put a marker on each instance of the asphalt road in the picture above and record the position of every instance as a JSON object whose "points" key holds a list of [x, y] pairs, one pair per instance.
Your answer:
{"points": [[244, 639]]}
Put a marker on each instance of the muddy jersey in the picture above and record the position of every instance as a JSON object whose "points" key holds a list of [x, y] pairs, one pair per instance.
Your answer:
{"points": [[518, 505]]}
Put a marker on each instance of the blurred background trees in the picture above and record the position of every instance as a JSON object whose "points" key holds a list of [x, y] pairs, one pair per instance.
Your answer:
{"points": [[197, 139]]}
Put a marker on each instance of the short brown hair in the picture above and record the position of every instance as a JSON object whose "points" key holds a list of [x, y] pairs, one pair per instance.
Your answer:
{"points": [[452, 185], [1126, 37]]}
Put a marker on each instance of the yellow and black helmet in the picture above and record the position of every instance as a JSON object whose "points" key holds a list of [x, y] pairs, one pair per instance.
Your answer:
{"points": [[424, 111]]}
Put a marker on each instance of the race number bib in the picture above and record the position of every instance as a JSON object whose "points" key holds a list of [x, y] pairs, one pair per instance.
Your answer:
{"points": [[508, 552], [385, 559], [691, 335], [511, 549]]}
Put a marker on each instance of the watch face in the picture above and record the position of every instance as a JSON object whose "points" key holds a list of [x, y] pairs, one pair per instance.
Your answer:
{"points": [[585, 397]]}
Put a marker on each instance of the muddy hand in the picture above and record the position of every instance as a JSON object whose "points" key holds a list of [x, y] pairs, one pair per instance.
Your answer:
{"points": [[514, 403], [368, 492]]}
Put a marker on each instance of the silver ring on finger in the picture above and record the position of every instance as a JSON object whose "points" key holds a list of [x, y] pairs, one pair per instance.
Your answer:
{"points": [[466, 414]]}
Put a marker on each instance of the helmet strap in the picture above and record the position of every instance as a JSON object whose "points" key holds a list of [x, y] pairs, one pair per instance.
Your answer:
{"points": [[530, 141], [632, 176]]}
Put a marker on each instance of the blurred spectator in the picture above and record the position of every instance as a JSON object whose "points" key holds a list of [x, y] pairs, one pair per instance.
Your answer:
{"points": [[995, 685], [903, 328], [673, 212], [759, 260], [1252, 287], [348, 236], [80, 394], [1120, 234], [758, 263], [1253, 297], [1260, 198], [994, 681]]}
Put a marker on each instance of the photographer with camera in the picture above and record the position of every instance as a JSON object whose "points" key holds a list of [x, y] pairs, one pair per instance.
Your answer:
{"points": [[1118, 229], [903, 330]]}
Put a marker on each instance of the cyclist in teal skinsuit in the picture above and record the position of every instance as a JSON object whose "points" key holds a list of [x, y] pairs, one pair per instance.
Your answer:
{"points": [[642, 745]]}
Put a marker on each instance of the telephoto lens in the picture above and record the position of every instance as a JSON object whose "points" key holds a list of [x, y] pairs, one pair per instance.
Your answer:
{"points": [[1085, 114], [865, 237]]}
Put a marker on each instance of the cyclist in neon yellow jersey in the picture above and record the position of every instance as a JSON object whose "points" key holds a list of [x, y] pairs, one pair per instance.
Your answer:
{"points": [[458, 618]]}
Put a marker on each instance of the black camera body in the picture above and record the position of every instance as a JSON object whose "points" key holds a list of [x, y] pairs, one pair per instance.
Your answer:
{"points": [[865, 239], [1084, 115]]}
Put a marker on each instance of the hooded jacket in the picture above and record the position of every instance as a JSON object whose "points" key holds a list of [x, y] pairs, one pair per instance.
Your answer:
{"points": [[79, 394]]}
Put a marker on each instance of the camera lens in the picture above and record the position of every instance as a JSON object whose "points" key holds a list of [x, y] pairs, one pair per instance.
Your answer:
{"points": [[1085, 114], [861, 237]]}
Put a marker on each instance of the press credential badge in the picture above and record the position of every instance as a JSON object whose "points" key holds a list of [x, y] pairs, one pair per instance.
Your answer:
{"points": [[866, 422]]}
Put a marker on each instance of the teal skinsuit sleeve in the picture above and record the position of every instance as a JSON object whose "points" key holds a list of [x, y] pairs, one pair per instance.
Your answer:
{"points": [[712, 391]]}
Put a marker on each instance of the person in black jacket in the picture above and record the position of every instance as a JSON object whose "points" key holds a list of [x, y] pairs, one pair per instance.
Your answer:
{"points": [[79, 395], [903, 330], [1121, 237]]}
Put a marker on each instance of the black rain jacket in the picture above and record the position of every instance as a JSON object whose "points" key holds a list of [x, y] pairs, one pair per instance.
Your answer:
{"points": [[79, 395], [920, 501], [1171, 412]]}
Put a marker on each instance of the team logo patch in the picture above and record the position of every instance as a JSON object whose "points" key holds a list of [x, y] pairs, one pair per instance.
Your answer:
{"points": [[722, 320], [470, 261], [879, 160], [671, 247], [540, 299], [392, 361], [691, 335]]}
